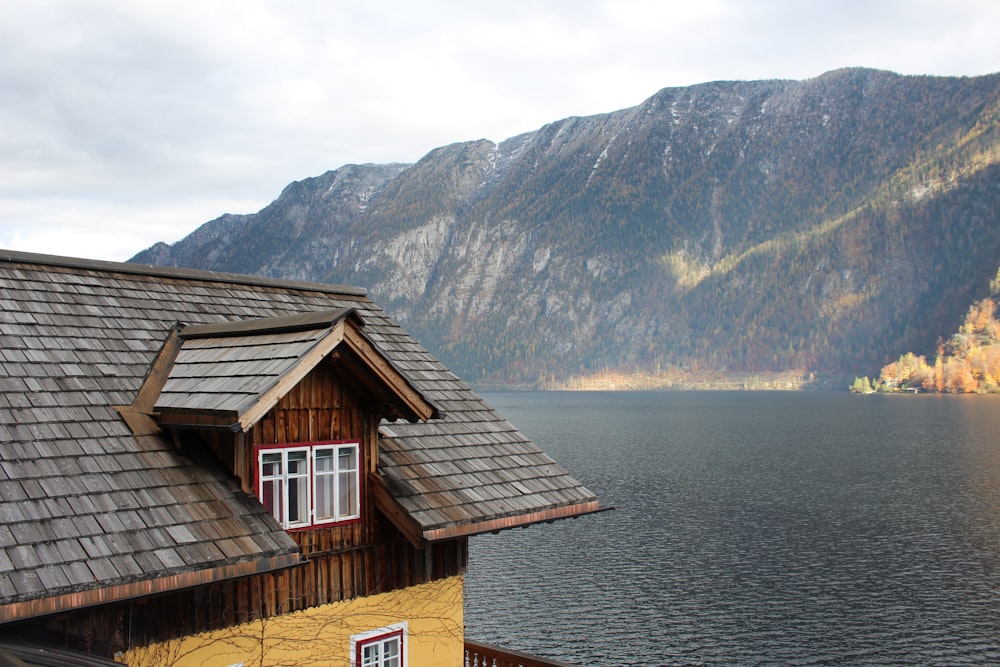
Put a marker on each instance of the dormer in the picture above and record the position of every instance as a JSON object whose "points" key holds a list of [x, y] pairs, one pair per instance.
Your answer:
{"points": [[291, 404]]}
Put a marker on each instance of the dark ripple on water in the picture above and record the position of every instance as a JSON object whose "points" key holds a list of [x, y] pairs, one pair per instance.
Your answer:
{"points": [[788, 529]]}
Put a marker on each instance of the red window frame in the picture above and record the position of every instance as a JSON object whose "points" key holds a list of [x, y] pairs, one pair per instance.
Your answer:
{"points": [[264, 495], [362, 643]]}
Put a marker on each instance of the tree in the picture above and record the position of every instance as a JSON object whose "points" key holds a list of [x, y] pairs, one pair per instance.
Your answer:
{"points": [[909, 371], [862, 386], [958, 377]]}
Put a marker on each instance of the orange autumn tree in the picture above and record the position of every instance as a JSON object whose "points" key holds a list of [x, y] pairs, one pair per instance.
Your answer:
{"points": [[969, 362]]}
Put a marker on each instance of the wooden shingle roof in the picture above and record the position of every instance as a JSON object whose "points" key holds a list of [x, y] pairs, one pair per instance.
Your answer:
{"points": [[86, 506], [228, 375], [240, 370]]}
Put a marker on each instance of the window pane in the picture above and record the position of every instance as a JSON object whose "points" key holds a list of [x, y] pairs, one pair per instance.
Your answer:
{"points": [[324, 460], [270, 484], [324, 498], [347, 501], [297, 463], [325, 495], [390, 653], [347, 458], [324, 484], [298, 487], [347, 482], [271, 498], [270, 464], [298, 500]]}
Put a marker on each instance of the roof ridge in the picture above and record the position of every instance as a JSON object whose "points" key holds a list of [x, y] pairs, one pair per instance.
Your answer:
{"points": [[17, 256], [321, 319]]}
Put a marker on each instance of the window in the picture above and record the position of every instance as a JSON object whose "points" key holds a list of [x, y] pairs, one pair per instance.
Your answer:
{"points": [[308, 485], [385, 647]]}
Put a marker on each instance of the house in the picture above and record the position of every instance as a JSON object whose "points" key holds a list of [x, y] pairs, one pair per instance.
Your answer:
{"points": [[212, 469]]}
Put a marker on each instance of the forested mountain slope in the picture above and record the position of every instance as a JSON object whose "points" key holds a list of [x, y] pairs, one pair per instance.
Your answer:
{"points": [[824, 225]]}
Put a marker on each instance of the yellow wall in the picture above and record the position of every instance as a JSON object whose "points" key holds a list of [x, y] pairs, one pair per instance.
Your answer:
{"points": [[321, 635]]}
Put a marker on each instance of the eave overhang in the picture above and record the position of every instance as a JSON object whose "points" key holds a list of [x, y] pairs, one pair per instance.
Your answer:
{"points": [[523, 520], [73, 600]]}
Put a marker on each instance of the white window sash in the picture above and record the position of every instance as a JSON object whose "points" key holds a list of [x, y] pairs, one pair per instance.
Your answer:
{"points": [[336, 487], [303, 501]]}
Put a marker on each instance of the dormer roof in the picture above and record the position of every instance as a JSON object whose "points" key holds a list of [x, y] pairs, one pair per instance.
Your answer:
{"points": [[232, 373]]}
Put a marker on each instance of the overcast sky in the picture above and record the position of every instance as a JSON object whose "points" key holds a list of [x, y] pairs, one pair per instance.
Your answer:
{"points": [[126, 122]]}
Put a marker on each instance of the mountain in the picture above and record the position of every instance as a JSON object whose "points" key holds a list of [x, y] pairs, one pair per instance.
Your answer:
{"points": [[825, 225]]}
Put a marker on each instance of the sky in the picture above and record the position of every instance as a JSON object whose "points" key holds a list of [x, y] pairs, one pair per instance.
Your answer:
{"points": [[127, 122]]}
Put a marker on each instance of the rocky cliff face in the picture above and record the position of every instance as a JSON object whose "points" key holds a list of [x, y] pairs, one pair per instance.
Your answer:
{"points": [[824, 225]]}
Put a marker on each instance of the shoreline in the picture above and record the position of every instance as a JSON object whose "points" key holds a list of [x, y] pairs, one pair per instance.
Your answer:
{"points": [[685, 381]]}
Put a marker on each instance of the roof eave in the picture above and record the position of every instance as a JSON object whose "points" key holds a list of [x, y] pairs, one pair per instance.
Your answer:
{"points": [[496, 524], [16, 611]]}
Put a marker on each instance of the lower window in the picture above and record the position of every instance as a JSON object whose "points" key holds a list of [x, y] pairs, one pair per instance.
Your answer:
{"points": [[308, 485], [385, 647]]}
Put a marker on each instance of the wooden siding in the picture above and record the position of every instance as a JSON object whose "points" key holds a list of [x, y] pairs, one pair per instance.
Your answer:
{"points": [[321, 407]]}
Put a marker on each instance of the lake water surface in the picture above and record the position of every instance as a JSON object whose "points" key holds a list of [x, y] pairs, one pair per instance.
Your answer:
{"points": [[752, 529]]}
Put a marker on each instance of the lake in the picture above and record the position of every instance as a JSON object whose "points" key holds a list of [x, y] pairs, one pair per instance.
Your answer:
{"points": [[752, 528]]}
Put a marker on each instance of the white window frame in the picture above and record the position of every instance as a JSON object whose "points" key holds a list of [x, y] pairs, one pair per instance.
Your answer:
{"points": [[381, 637], [337, 475]]}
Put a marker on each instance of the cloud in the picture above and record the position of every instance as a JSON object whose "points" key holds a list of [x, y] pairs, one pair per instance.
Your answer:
{"points": [[123, 122]]}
